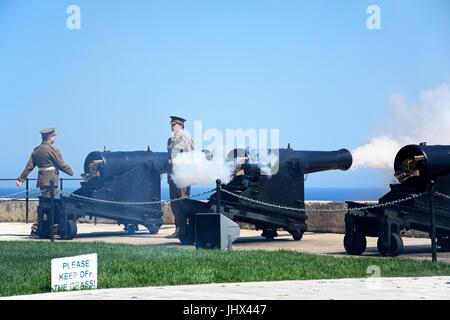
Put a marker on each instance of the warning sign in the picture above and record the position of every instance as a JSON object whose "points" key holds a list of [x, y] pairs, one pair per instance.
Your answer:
{"points": [[79, 272]]}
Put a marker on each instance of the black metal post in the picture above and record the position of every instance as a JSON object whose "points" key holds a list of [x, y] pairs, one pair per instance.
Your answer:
{"points": [[218, 184], [27, 200], [433, 222], [52, 214], [61, 184]]}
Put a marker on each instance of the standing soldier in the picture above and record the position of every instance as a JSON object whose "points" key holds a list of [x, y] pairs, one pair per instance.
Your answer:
{"points": [[49, 161], [179, 142]]}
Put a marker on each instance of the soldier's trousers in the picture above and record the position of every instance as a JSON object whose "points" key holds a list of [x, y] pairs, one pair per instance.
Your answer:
{"points": [[176, 206], [45, 192]]}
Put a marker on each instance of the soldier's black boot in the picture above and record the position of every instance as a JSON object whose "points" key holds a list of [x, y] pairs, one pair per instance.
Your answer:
{"points": [[34, 230]]}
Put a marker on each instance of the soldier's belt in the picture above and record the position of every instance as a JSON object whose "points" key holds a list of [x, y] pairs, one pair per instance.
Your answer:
{"points": [[47, 169]]}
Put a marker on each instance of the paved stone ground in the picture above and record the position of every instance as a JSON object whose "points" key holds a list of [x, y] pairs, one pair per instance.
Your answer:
{"points": [[435, 288], [320, 243]]}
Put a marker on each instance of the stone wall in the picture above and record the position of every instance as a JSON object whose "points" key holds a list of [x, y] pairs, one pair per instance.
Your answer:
{"points": [[330, 222], [14, 211]]}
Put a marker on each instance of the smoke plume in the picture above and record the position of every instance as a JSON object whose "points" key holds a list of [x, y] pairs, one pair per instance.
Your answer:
{"points": [[410, 122], [192, 168], [267, 161]]}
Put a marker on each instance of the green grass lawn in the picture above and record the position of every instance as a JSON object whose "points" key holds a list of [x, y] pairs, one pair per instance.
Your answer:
{"points": [[25, 266]]}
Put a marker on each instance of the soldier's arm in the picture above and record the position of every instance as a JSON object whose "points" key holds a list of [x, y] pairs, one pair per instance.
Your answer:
{"points": [[60, 164], [191, 145], [28, 168], [169, 150], [188, 144]]}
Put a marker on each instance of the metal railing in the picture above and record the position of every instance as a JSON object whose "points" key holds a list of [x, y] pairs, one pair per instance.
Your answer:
{"points": [[27, 190]]}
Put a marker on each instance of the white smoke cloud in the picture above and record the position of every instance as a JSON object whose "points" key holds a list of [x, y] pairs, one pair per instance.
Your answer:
{"points": [[424, 120], [267, 160], [192, 168]]}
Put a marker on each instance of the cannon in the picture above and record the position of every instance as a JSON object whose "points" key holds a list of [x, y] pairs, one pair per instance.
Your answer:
{"points": [[415, 167], [281, 185], [111, 181]]}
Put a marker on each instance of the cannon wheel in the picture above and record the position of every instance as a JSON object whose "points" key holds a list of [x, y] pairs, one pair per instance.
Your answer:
{"points": [[44, 231], [297, 235], [444, 243], [396, 246], [358, 245], [70, 232], [269, 234], [185, 235], [153, 228], [131, 228], [42, 227], [186, 231]]}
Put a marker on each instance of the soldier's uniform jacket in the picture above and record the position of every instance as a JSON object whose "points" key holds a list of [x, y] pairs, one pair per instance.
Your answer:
{"points": [[49, 161], [180, 142]]}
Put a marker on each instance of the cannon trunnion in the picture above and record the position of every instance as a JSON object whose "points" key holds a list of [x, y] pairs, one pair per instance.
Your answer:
{"points": [[415, 166]]}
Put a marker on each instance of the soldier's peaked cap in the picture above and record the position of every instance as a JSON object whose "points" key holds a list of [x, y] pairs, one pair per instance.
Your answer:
{"points": [[175, 119], [48, 132]]}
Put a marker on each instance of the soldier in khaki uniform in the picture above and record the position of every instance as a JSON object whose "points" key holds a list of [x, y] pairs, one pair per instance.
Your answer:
{"points": [[179, 142], [49, 161]]}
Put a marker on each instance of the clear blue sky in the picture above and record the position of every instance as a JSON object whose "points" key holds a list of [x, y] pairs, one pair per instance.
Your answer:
{"points": [[310, 68]]}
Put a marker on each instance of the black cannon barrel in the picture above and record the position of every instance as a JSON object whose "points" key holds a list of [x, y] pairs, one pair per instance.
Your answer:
{"points": [[434, 159], [117, 163], [315, 161]]}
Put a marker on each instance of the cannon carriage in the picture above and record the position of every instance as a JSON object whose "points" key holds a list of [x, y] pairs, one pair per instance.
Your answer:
{"points": [[421, 171], [113, 183], [280, 185]]}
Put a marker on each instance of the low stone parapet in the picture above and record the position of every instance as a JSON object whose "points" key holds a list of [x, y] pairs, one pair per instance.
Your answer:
{"points": [[332, 222]]}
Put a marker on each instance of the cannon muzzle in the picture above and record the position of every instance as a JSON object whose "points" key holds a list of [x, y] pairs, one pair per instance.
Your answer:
{"points": [[108, 164], [422, 162], [315, 161]]}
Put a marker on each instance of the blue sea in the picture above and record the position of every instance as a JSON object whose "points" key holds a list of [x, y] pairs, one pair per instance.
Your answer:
{"points": [[323, 194]]}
